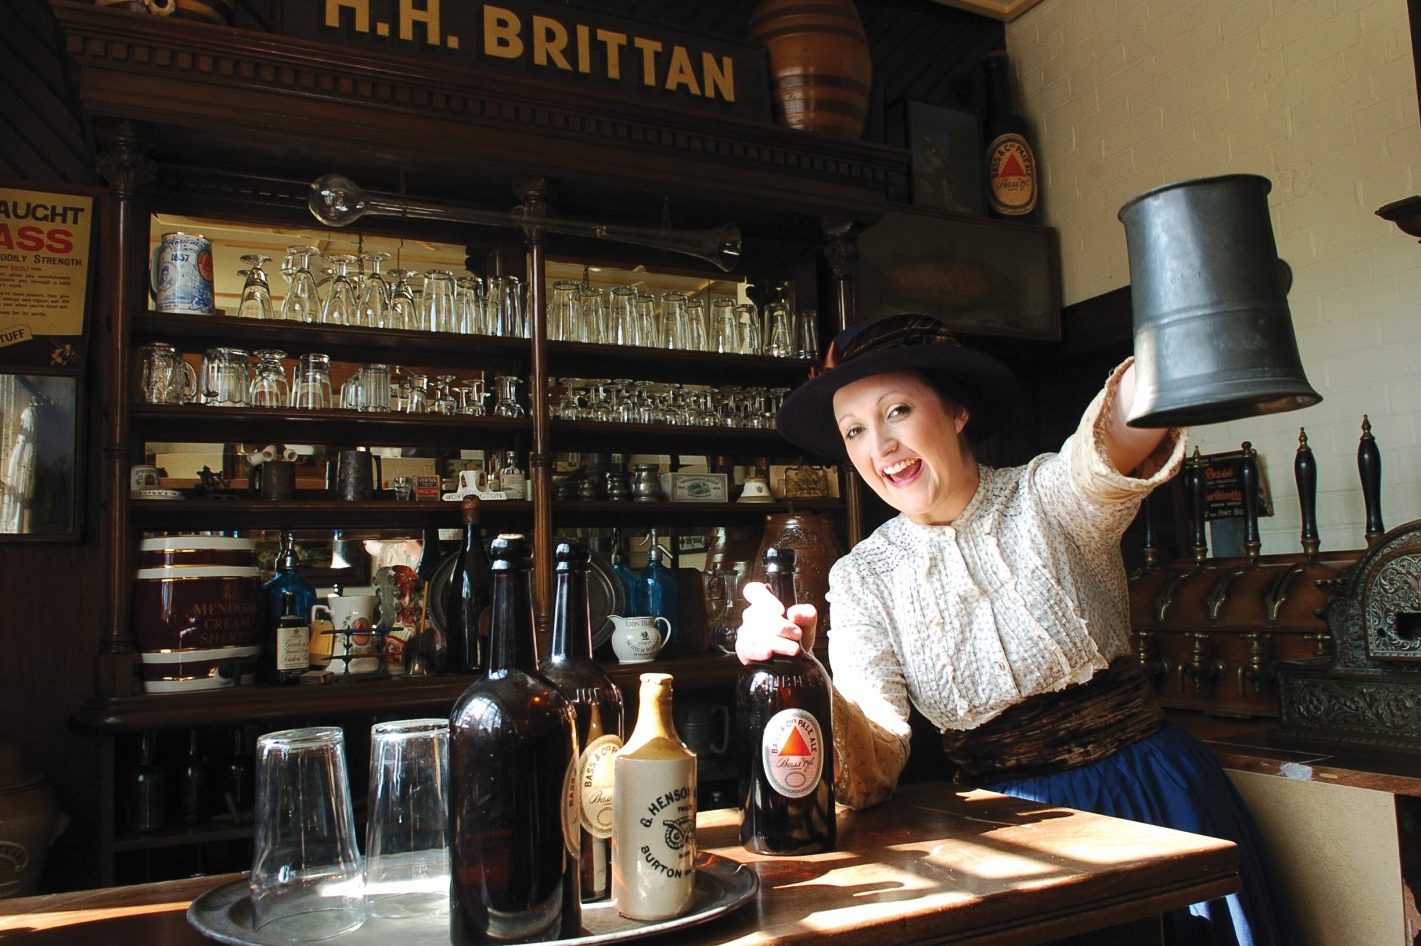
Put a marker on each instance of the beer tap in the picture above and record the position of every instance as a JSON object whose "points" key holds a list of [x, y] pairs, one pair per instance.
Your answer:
{"points": [[1194, 483], [1200, 668], [1369, 465], [1257, 670], [1150, 549], [1248, 485], [1153, 663], [1305, 474]]}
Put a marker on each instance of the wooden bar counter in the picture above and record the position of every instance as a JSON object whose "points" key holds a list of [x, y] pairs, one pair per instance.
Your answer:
{"points": [[933, 866]]}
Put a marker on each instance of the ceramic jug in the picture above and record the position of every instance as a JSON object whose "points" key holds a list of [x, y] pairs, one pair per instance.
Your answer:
{"points": [[30, 820], [636, 640], [816, 549]]}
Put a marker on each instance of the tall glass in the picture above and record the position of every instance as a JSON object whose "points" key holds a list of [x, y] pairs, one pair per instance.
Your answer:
{"points": [[564, 313], [306, 880], [302, 302], [311, 382], [468, 305], [404, 311], [269, 387], [623, 327], [779, 330], [406, 851], [255, 302], [372, 304], [339, 307], [436, 301]]}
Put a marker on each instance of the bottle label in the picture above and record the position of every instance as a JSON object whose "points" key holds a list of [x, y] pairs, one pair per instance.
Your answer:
{"points": [[594, 781], [1011, 175], [792, 752], [293, 643], [571, 836]]}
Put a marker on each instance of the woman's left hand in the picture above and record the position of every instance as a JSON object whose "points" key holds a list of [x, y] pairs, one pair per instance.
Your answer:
{"points": [[767, 628], [1128, 446]]}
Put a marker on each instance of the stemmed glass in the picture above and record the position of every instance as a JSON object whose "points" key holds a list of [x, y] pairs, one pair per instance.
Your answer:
{"points": [[256, 293], [269, 388], [507, 404], [339, 307], [302, 302], [404, 313], [373, 302]]}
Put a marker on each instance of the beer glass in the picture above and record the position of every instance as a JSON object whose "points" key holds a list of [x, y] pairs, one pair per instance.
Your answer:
{"points": [[403, 312], [339, 307], [372, 302], [806, 334], [779, 330], [593, 327], [469, 305], [306, 880], [623, 327], [436, 301], [564, 314], [510, 316], [164, 378], [311, 383], [225, 377], [269, 387], [726, 322], [255, 302], [406, 851], [302, 302], [750, 338]]}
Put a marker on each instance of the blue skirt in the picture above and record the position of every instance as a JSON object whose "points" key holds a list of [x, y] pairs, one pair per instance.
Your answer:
{"points": [[1170, 779]]}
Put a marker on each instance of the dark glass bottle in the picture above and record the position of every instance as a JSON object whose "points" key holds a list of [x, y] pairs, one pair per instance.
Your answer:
{"points": [[144, 807], [513, 820], [1013, 177], [192, 785], [238, 779], [597, 702], [287, 654], [466, 597], [424, 654], [287, 578], [782, 708]]}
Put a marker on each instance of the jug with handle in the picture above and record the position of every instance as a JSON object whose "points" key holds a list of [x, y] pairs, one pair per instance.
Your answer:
{"points": [[636, 640]]}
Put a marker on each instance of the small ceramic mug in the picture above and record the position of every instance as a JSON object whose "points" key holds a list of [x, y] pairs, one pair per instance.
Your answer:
{"points": [[141, 477]]}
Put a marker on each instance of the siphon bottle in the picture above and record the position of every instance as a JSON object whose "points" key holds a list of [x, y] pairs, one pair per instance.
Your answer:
{"points": [[1013, 176], [513, 821], [466, 597], [655, 596], [782, 713], [597, 701], [654, 812]]}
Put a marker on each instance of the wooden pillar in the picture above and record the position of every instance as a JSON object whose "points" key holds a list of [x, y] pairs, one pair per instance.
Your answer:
{"points": [[127, 169], [533, 194], [841, 250]]}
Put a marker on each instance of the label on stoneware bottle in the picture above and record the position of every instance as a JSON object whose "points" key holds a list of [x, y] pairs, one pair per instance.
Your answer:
{"points": [[792, 752], [594, 780], [654, 846]]}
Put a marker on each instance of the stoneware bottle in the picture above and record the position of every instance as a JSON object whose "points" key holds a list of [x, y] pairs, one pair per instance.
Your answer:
{"points": [[654, 813]]}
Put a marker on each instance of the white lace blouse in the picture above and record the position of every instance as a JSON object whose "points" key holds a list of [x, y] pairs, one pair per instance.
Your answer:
{"points": [[1023, 594]]}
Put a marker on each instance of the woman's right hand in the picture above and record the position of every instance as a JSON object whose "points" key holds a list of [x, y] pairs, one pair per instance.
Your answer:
{"points": [[767, 629]]}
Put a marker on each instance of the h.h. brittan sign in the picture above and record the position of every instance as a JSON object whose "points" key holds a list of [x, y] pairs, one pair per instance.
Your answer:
{"points": [[553, 42]]}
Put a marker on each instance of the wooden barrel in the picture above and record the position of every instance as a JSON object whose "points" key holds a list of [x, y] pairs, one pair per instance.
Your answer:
{"points": [[197, 612], [819, 63]]}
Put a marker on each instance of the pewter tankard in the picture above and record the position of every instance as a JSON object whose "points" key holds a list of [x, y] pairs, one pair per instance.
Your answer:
{"points": [[1213, 337]]}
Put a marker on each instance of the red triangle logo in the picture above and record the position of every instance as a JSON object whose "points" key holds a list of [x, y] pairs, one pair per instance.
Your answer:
{"points": [[794, 744], [1011, 167]]}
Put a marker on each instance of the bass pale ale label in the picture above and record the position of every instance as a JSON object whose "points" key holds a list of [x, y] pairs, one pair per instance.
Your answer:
{"points": [[792, 752], [595, 775], [1011, 175], [571, 837]]}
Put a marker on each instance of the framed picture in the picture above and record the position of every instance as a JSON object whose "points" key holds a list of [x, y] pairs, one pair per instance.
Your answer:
{"points": [[946, 155], [979, 276]]}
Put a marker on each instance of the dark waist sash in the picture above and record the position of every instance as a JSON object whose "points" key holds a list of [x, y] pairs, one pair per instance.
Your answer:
{"points": [[1053, 732]]}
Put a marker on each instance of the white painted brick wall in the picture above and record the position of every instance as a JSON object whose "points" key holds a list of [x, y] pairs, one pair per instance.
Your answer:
{"points": [[1320, 97]]}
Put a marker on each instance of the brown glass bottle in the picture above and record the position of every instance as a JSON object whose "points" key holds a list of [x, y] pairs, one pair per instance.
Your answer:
{"points": [[466, 597], [782, 708], [597, 702], [512, 783], [1013, 178]]}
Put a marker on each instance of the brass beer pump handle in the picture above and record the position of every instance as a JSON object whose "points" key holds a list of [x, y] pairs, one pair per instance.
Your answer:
{"points": [[1194, 479], [1305, 473], [1248, 481]]}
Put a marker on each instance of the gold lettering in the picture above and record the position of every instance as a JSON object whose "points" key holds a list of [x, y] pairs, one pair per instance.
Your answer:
{"points": [[501, 29], [719, 78], [428, 15], [679, 72], [584, 49], [614, 43], [649, 48], [549, 40], [361, 9]]}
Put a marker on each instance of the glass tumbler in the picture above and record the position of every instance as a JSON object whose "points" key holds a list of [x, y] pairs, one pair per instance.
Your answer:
{"points": [[226, 377], [436, 302], [306, 880], [406, 851], [311, 382], [564, 314], [163, 377], [779, 331], [255, 302], [269, 387]]}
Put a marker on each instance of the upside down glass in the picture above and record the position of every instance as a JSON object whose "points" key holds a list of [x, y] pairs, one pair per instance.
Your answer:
{"points": [[306, 881], [406, 850]]}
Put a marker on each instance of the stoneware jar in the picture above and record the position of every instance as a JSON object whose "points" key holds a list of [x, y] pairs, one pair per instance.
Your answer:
{"points": [[30, 820]]}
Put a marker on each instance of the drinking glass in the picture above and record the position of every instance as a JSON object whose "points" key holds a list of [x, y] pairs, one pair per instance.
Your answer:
{"points": [[507, 404], [436, 301], [306, 880], [441, 399], [471, 397], [647, 316], [302, 302], [679, 329], [469, 305], [806, 334], [375, 383], [779, 330], [225, 377], [623, 327], [404, 312], [510, 318], [750, 340], [163, 377], [416, 394], [406, 852], [255, 302], [564, 313], [269, 387], [726, 323], [372, 303], [593, 328], [339, 307], [311, 382]]}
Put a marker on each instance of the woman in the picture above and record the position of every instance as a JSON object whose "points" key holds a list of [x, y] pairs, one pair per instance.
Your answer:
{"points": [[996, 603]]}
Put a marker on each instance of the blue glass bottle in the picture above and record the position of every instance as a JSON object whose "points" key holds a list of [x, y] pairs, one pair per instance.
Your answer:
{"points": [[286, 579], [656, 597], [625, 575]]}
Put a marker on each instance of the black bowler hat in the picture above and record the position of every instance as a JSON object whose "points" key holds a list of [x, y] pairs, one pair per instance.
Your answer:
{"points": [[977, 381]]}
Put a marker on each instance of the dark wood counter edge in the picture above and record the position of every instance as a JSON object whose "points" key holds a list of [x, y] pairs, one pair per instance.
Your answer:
{"points": [[107, 716], [1253, 745]]}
